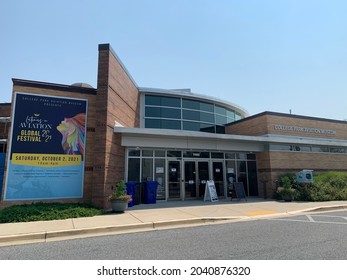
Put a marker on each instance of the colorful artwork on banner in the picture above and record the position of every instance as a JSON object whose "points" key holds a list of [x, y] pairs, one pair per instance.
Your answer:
{"points": [[47, 148]]}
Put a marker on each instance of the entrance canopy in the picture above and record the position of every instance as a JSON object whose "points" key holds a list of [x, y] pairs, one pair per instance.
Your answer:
{"points": [[174, 139]]}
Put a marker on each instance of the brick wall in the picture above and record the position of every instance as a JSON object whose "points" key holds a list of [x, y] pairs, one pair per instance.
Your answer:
{"points": [[264, 123], [117, 101], [271, 165], [5, 111]]}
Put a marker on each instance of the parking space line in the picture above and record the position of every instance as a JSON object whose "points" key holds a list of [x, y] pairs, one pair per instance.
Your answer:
{"points": [[310, 221], [309, 217], [329, 216]]}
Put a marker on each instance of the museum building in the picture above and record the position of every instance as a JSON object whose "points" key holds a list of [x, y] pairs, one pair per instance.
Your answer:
{"points": [[74, 142]]}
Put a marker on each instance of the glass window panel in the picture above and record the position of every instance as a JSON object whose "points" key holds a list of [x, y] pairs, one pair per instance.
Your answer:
{"points": [[170, 101], [190, 104], [147, 169], [230, 155], [220, 129], [169, 124], [197, 105], [278, 147], [220, 110], [251, 156], [162, 101], [134, 170], [237, 117], [152, 111], [191, 115], [204, 155], [160, 153], [217, 155], [230, 114], [241, 156], [196, 154], [189, 154], [221, 120], [174, 153], [193, 126], [207, 127], [170, 113], [152, 100], [206, 107], [317, 149], [134, 153], [147, 153], [297, 148], [152, 123], [230, 120], [206, 117], [337, 150], [305, 148]]}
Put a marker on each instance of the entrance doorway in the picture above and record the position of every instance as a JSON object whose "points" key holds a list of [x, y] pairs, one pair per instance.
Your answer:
{"points": [[218, 177], [196, 173]]}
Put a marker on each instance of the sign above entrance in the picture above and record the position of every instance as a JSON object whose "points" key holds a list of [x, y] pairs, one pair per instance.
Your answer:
{"points": [[210, 191], [304, 129]]}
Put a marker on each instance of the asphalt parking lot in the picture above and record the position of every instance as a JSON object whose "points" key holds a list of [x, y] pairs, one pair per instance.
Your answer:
{"points": [[335, 217]]}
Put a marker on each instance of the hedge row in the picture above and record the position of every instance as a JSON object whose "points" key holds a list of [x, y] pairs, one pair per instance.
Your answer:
{"points": [[327, 186]]}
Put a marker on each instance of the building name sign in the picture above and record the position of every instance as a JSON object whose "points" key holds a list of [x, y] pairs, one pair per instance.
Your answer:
{"points": [[304, 129]]}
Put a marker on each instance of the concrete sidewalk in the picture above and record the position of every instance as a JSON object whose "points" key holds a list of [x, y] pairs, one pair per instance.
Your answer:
{"points": [[145, 217]]}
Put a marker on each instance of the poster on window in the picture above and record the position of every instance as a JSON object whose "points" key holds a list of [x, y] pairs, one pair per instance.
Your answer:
{"points": [[47, 149]]}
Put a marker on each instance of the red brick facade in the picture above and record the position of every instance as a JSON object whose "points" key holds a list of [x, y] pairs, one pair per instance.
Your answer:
{"points": [[271, 164]]}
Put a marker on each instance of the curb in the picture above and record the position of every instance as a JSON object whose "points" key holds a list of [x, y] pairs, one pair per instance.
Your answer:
{"points": [[321, 208], [329, 208], [71, 234], [105, 230], [22, 238]]}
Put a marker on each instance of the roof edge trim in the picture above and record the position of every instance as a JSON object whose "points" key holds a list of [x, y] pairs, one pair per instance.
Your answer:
{"points": [[53, 86]]}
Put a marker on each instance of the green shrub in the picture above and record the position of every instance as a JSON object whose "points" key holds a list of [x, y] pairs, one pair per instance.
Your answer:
{"points": [[327, 186], [46, 211]]}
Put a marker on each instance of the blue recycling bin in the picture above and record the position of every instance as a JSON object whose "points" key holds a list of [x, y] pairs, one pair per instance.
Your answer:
{"points": [[131, 190], [151, 188]]}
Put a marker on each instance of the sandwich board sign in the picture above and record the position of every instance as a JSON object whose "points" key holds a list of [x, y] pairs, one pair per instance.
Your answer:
{"points": [[210, 191], [240, 190]]}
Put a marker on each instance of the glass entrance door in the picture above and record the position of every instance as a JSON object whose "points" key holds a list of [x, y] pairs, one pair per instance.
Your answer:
{"points": [[174, 170], [203, 176], [190, 179], [218, 177], [196, 174]]}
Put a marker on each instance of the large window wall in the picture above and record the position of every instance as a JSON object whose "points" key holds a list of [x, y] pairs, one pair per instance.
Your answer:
{"points": [[224, 168], [186, 114]]}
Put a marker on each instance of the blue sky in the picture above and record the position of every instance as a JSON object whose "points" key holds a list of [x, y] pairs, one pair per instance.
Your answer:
{"points": [[265, 55]]}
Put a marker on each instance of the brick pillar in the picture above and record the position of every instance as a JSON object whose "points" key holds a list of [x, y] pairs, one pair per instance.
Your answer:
{"points": [[117, 100]]}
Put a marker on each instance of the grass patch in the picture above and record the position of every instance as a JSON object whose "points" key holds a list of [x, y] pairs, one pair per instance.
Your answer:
{"points": [[47, 211]]}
